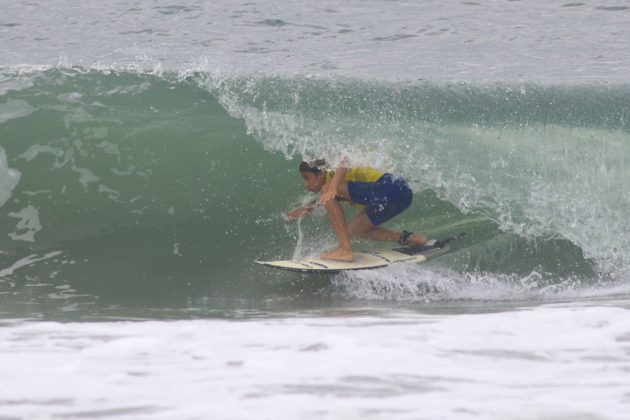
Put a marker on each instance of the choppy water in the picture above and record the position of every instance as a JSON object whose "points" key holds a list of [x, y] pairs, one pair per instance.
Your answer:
{"points": [[148, 150]]}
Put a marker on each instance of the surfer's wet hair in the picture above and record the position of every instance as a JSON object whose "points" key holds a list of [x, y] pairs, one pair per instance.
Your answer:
{"points": [[315, 167]]}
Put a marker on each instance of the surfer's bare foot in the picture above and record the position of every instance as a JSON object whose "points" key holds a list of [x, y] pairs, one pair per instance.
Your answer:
{"points": [[416, 240], [338, 255]]}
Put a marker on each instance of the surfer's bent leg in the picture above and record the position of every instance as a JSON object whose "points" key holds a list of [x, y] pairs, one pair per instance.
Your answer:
{"points": [[362, 227], [338, 221], [384, 199]]}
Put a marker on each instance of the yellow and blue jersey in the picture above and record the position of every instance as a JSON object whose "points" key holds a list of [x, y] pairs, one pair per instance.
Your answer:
{"points": [[382, 195], [358, 174]]}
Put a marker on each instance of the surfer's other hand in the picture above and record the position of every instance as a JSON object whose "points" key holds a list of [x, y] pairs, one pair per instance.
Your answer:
{"points": [[329, 192]]}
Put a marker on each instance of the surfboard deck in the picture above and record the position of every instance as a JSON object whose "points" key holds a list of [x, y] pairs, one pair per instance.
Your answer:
{"points": [[362, 260]]}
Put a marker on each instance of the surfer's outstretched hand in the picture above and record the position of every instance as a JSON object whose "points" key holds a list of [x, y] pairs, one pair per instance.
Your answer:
{"points": [[300, 212], [297, 213]]}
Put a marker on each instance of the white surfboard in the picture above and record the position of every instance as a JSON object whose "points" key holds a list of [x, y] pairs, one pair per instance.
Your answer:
{"points": [[362, 260]]}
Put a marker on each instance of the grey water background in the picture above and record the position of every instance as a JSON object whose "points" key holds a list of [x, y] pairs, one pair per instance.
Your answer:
{"points": [[152, 147]]}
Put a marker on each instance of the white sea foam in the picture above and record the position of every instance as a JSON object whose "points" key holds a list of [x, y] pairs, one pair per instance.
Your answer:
{"points": [[14, 109], [13, 83], [548, 362], [86, 176], [419, 283], [36, 149], [24, 262], [9, 178], [28, 225]]}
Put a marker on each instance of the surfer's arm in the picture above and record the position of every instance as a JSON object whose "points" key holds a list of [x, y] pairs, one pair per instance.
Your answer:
{"points": [[301, 211], [331, 190]]}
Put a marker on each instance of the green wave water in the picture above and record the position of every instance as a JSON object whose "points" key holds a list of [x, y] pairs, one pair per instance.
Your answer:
{"points": [[135, 190]]}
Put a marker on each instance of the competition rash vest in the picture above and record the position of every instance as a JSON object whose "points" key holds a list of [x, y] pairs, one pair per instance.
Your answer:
{"points": [[358, 174]]}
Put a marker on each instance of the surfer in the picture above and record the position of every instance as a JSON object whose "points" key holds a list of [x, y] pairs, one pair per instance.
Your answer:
{"points": [[381, 196]]}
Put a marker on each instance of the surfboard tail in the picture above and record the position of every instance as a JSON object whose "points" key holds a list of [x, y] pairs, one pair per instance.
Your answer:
{"points": [[443, 242]]}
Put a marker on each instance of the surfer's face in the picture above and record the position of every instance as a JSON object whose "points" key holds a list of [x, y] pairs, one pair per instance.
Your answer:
{"points": [[313, 182]]}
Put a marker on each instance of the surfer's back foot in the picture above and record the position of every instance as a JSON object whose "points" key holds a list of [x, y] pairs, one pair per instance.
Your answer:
{"points": [[338, 255], [412, 240]]}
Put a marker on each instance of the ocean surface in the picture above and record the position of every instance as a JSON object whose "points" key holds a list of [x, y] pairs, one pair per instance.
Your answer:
{"points": [[148, 151]]}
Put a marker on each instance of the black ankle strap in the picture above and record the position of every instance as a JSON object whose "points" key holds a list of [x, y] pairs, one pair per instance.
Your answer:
{"points": [[404, 237]]}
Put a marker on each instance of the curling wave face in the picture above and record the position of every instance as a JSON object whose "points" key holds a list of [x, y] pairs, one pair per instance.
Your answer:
{"points": [[135, 188]]}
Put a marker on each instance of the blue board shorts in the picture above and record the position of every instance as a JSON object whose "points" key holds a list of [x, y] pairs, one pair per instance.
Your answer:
{"points": [[384, 199]]}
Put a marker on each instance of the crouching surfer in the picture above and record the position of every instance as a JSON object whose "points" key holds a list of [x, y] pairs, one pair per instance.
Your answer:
{"points": [[379, 196]]}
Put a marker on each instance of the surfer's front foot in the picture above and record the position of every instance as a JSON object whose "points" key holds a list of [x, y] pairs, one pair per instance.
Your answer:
{"points": [[338, 255]]}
